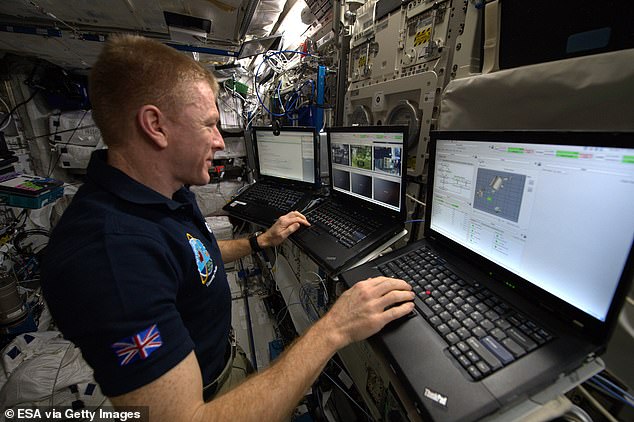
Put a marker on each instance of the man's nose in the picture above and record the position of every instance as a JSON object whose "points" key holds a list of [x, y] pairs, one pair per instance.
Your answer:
{"points": [[218, 141]]}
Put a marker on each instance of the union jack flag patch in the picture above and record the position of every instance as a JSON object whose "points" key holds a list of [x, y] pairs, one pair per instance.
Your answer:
{"points": [[139, 346]]}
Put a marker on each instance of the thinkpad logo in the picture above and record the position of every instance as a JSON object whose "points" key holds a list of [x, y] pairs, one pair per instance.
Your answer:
{"points": [[437, 397]]}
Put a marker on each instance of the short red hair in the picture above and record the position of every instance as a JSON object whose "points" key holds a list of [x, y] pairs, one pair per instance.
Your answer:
{"points": [[132, 71]]}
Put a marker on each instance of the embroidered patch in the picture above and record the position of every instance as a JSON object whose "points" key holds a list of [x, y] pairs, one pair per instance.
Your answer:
{"points": [[206, 266], [139, 346]]}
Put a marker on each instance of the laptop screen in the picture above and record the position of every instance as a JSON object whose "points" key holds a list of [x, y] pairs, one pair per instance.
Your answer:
{"points": [[368, 163], [559, 216], [289, 155]]}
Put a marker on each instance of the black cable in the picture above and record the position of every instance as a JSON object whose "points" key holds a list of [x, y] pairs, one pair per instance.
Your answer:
{"points": [[8, 116], [59, 155], [61, 363], [245, 295], [60, 132], [343, 390], [22, 236]]}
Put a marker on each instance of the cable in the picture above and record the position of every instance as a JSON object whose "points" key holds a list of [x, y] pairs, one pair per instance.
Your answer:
{"points": [[245, 294], [277, 317], [415, 200], [349, 397], [602, 389], [8, 116], [415, 221], [59, 155], [305, 300], [268, 56], [60, 132], [296, 94], [8, 111], [611, 389], [323, 284], [22, 236], [596, 404], [232, 91], [61, 362], [614, 386]]}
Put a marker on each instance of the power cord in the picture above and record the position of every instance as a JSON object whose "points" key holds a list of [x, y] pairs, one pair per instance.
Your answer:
{"points": [[59, 155], [8, 116], [343, 390]]}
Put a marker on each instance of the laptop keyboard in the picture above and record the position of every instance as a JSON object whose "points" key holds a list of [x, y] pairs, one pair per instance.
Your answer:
{"points": [[277, 197], [348, 227], [484, 333]]}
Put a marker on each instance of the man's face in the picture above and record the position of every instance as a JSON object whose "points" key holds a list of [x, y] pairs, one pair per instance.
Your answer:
{"points": [[195, 138]]}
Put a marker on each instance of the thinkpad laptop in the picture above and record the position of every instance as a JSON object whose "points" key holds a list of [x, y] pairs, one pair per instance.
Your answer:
{"points": [[366, 205], [525, 264], [287, 165]]}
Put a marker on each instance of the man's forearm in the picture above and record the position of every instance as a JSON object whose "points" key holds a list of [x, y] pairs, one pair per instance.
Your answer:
{"points": [[358, 313], [234, 249]]}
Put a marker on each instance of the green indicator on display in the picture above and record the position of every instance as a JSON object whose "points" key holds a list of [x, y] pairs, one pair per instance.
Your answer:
{"points": [[515, 150], [489, 198], [629, 159], [567, 154]]}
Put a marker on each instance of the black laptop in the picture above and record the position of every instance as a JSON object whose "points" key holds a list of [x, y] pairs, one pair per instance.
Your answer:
{"points": [[366, 205], [526, 262], [287, 165]]}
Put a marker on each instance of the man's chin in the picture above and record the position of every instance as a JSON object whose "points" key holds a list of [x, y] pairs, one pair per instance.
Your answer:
{"points": [[202, 181]]}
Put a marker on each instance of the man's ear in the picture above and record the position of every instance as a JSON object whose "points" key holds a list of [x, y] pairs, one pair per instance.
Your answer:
{"points": [[151, 122]]}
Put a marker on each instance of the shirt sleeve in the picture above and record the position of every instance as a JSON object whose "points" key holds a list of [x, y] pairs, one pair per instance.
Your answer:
{"points": [[117, 302]]}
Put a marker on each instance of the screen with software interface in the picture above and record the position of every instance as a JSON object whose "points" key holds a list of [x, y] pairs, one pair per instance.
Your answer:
{"points": [[559, 216], [368, 166], [289, 155]]}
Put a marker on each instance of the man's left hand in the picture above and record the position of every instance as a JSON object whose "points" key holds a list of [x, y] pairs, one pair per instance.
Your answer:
{"points": [[283, 227]]}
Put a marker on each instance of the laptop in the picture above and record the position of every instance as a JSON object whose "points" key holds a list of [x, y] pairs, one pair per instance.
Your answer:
{"points": [[287, 166], [366, 204], [524, 266]]}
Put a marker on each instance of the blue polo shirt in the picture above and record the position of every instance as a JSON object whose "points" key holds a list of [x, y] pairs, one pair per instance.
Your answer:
{"points": [[136, 280]]}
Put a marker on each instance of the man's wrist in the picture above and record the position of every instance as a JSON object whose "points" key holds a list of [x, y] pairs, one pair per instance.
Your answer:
{"points": [[253, 242], [330, 335]]}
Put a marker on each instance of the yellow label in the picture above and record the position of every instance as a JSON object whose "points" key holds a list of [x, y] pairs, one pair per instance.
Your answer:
{"points": [[362, 61], [422, 37]]}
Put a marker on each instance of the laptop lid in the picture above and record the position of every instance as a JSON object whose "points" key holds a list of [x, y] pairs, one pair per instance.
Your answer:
{"points": [[546, 214], [368, 165], [290, 156]]}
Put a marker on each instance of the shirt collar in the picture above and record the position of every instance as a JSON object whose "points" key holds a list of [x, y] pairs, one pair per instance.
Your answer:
{"points": [[120, 184]]}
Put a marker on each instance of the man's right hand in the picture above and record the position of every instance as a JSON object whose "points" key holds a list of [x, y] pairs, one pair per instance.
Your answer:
{"points": [[367, 307], [273, 394]]}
